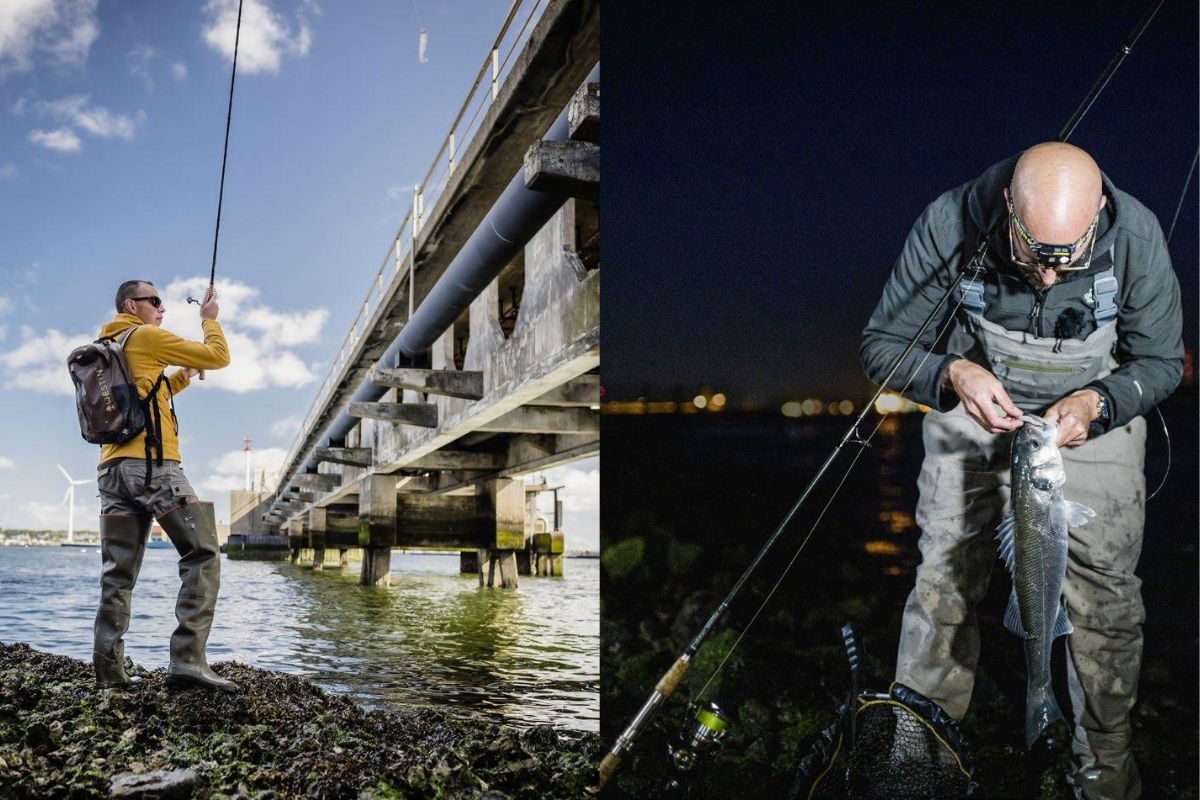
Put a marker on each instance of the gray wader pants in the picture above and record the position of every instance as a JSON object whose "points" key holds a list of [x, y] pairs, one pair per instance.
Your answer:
{"points": [[964, 490]]}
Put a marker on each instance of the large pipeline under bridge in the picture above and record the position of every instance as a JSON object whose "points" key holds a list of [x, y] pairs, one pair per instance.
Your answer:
{"points": [[516, 216]]}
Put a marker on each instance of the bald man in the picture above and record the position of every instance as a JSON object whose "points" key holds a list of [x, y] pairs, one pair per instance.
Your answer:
{"points": [[1075, 316]]}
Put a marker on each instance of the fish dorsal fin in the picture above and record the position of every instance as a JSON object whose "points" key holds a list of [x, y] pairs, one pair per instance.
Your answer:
{"points": [[1077, 513], [1062, 625], [1004, 534]]}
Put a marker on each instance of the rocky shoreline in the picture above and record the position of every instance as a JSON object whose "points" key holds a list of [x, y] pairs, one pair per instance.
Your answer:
{"points": [[279, 736]]}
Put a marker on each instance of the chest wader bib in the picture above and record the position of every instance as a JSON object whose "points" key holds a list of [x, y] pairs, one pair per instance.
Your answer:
{"points": [[964, 491]]}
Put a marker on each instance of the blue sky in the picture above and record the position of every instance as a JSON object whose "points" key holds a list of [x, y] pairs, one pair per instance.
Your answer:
{"points": [[112, 117]]}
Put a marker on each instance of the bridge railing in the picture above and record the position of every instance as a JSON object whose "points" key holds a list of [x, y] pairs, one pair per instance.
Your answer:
{"points": [[397, 263]]}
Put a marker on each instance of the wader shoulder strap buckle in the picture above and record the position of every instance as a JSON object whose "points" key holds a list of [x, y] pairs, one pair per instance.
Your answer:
{"points": [[1104, 290], [970, 292]]}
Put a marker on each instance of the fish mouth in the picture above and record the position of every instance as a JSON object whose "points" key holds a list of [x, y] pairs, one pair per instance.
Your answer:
{"points": [[1037, 422]]}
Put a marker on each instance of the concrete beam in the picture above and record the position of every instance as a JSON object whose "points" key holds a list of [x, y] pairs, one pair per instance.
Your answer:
{"points": [[516, 385], [422, 414], [425, 520], [570, 168], [583, 114], [350, 456], [316, 482], [584, 391], [448, 382], [533, 419], [531, 452], [459, 459]]}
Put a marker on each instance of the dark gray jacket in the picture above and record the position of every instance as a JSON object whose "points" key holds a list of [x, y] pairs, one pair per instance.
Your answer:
{"points": [[1149, 321]]}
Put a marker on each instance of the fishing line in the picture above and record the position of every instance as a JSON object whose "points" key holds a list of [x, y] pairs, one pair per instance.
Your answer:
{"points": [[864, 443], [212, 274], [1163, 420], [1182, 195]]}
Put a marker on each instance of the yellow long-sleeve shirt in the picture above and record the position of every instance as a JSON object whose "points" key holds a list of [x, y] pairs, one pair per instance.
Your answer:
{"points": [[148, 352]]}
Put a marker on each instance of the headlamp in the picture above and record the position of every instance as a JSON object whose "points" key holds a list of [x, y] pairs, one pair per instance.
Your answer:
{"points": [[1052, 256]]}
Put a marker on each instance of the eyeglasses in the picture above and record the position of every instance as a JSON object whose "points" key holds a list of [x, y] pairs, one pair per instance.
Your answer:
{"points": [[153, 299], [1049, 256]]}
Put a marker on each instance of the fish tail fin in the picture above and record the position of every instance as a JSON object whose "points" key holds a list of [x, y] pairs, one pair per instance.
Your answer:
{"points": [[1045, 728]]}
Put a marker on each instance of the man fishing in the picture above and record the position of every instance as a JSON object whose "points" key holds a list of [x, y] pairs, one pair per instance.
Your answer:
{"points": [[142, 479], [1075, 315]]}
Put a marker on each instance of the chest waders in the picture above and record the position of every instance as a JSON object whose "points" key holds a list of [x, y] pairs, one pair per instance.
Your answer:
{"points": [[964, 491]]}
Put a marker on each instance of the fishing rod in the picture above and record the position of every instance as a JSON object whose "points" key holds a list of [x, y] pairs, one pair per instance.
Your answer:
{"points": [[212, 274], [671, 678]]}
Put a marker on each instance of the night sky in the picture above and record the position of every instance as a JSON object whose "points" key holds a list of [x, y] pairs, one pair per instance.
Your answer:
{"points": [[763, 165]]}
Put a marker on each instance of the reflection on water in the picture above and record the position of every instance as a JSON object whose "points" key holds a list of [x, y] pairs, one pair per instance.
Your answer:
{"points": [[433, 638]]}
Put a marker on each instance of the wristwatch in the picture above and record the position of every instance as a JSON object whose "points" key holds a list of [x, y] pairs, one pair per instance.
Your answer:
{"points": [[1103, 416]]}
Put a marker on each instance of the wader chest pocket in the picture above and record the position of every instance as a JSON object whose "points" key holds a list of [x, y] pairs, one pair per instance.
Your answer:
{"points": [[1030, 366]]}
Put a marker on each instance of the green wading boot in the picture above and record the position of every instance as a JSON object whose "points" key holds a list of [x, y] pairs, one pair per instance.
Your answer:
{"points": [[122, 545], [192, 528]]}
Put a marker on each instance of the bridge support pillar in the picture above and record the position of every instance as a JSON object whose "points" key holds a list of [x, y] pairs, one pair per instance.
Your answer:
{"points": [[498, 568], [468, 562], [343, 557], [547, 549], [524, 562], [506, 502], [316, 527], [377, 509]]}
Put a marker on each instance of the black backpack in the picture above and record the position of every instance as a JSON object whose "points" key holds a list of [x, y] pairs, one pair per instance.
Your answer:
{"points": [[106, 398]]}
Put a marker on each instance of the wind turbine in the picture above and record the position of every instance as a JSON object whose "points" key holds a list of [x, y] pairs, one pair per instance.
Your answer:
{"points": [[70, 496]]}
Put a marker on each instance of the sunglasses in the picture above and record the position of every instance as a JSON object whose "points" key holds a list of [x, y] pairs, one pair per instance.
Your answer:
{"points": [[153, 299]]}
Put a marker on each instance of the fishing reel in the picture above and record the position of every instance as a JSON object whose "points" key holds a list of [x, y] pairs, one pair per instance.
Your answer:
{"points": [[700, 735]]}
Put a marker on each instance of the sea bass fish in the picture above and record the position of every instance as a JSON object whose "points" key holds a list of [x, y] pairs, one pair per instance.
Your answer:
{"points": [[1033, 543]]}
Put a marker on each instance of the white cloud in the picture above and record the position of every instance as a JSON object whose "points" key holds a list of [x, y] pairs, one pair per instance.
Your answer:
{"points": [[6, 304], [18, 108], [287, 427], [261, 354], [7, 463], [39, 362], [61, 31], [139, 59], [179, 70], [229, 469], [62, 140], [40, 515], [266, 36], [259, 337], [7, 171], [96, 120]]}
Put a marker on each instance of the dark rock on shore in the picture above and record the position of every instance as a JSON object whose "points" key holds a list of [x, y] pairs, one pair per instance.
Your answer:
{"points": [[280, 736]]}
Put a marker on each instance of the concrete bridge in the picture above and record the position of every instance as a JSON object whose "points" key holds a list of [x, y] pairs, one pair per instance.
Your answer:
{"points": [[474, 358]]}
